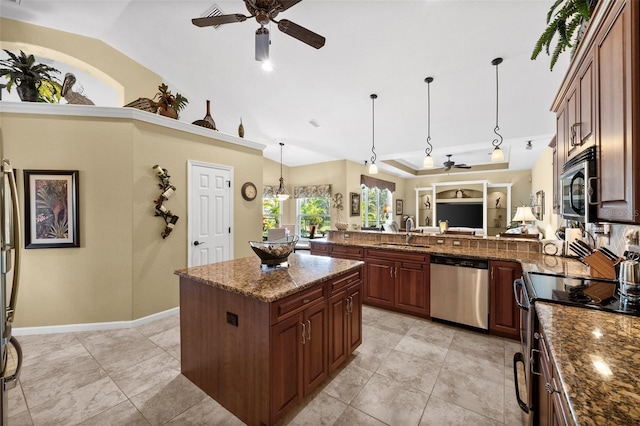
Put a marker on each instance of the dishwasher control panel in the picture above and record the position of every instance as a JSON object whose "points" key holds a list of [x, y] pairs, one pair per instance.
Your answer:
{"points": [[460, 261]]}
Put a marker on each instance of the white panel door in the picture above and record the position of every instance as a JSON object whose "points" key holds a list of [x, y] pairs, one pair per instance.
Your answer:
{"points": [[209, 214]]}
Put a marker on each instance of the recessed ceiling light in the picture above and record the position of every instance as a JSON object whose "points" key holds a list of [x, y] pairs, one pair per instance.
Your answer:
{"points": [[314, 122]]}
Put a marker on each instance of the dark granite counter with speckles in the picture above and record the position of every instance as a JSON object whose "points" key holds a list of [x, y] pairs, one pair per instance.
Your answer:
{"points": [[597, 356], [246, 276]]}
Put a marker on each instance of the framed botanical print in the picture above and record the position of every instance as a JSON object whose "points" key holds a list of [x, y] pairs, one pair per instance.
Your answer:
{"points": [[355, 204], [51, 208], [399, 207]]}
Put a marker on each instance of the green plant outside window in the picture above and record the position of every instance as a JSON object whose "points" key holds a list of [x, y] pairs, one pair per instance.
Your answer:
{"points": [[314, 216], [372, 203]]}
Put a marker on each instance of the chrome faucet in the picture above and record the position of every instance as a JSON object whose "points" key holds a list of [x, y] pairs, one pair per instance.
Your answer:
{"points": [[408, 226]]}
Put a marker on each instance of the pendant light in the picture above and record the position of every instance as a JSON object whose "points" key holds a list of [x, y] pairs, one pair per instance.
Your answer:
{"points": [[373, 169], [428, 160], [282, 193], [497, 155]]}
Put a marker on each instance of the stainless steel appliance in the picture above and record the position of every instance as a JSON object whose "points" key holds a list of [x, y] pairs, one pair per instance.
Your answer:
{"points": [[574, 291], [460, 290], [10, 351], [579, 188]]}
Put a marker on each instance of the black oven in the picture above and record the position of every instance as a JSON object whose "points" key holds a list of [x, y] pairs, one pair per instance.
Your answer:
{"points": [[578, 187]]}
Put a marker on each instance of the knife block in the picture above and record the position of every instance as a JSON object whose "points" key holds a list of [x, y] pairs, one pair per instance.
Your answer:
{"points": [[601, 266]]}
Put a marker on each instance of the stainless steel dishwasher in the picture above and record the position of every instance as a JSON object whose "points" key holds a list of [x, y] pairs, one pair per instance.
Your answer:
{"points": [[460, 290]]}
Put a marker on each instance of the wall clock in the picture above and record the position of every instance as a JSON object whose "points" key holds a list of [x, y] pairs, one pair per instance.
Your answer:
{"points": [[249, 191]]}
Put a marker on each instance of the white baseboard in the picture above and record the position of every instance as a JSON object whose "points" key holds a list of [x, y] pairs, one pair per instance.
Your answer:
{"points": [[96, 326]]}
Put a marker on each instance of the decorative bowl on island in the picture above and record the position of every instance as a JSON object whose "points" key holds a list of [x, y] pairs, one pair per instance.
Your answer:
{"points": [[273, 253]]}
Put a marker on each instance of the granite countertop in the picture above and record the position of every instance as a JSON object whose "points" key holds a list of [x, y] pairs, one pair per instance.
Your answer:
{"points": [[530, 261], [597, 356], [246, 275]]}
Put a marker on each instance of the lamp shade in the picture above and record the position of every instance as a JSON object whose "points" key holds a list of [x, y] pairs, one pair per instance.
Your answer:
{"points": [[524, 214], [497, 156]]}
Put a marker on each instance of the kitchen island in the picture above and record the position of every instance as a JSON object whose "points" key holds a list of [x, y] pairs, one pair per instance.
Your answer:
{"points": [[259, 339]]}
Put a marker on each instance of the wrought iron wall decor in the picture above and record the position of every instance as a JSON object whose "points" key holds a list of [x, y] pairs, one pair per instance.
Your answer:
{"points": [[168, 189]]}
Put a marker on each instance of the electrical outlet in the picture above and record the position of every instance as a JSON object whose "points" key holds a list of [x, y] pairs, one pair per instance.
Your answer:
{"points": [[456, 243]]}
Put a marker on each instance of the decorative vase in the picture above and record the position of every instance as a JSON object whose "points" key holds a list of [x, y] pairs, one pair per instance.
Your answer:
{"points": [[241, 129], [28, 92], [208, 118]]}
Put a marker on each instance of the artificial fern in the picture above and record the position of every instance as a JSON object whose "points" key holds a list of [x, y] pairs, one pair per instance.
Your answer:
{"points": [[563, 19]]}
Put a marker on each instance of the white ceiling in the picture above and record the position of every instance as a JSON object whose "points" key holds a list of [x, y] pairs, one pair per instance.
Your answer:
{"points": [[382, 47]]}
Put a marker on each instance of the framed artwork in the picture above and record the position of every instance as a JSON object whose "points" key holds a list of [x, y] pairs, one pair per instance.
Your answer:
{"points": [[355, 204], [399, 207], [538, 208], [51, 209]]}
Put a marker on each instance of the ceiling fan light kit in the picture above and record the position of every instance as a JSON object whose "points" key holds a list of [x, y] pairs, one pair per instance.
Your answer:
{"points": [[497, 155], [428, 160], [373, 169]]}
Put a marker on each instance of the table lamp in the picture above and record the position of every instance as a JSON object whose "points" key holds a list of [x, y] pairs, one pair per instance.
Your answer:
{"points": [[524, 214]]}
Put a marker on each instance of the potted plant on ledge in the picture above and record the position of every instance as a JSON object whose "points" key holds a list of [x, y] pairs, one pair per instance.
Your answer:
{"points": [[168, 104], [34, 82]]}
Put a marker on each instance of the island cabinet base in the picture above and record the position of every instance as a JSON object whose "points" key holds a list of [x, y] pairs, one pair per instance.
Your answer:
{"points": [[260, 359]]}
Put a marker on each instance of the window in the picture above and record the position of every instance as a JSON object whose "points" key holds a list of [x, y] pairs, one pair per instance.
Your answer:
{"points": [[314, 216], [271, 213], [375, 206]]}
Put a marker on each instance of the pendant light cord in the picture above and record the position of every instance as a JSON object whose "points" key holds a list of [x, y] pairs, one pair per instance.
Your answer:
{"points": [[429, 148], [497, 142], [373, 128]]}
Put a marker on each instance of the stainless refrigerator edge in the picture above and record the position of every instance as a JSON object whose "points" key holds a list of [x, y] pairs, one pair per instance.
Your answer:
{"points": [[9, 277]]}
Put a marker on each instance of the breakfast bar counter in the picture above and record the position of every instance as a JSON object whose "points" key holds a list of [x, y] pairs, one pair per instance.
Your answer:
{"points": [[258, 339]]}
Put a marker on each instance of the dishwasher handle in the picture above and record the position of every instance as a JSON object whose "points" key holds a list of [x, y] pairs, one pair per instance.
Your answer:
{"points": [[519, 283]]}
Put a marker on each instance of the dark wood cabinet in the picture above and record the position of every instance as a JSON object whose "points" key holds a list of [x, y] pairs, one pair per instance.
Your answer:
{"points": [[618, 94], [345, 324], [397, 280], [551, 409], [319, 249], [598, 104], [504, 315]]}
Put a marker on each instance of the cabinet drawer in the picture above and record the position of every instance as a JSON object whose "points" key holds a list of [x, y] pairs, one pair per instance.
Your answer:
{"points": [[320, 249], [293, 304], [403, 256], [343, 281], [347, 252]]}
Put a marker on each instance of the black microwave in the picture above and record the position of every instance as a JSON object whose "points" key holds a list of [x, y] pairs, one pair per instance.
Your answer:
{"points": [[578, 187]]}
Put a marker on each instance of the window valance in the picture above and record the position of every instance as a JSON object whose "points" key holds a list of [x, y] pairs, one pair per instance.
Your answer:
{"points": [[310, 191], [371, 182], [269, 191]]}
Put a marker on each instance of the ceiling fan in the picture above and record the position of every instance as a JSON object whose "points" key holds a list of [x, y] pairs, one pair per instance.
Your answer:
{"points": [[449, 164], [265, 11]]}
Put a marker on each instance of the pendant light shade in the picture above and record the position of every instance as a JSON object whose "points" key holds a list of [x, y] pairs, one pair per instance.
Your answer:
{"points": [[427, 163], [497, 155], [282, 193], [373, 169]]}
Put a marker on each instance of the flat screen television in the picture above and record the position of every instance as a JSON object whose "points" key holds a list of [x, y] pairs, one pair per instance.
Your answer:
{"points": [[460, 214]]}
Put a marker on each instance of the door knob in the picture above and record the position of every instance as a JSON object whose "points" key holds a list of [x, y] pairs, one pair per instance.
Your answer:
{"points": [[197, 243]]}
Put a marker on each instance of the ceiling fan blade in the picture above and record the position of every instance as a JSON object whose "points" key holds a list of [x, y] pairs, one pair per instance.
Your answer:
{"points": [[286, 4], [447, 168], [462, 166], [301, 33], [209, 21]]}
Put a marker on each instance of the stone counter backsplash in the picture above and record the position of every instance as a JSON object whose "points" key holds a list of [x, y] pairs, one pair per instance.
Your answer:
{"points": [[440, 240]]}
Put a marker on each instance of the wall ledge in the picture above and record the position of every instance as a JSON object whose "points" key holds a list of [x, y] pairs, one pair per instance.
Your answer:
{"points": [[122, 113], [95, 326]]}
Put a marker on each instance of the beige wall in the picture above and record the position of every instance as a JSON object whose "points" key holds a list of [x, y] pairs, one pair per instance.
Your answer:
{"points": [[123, 269], [128, 78], [542, 179]]}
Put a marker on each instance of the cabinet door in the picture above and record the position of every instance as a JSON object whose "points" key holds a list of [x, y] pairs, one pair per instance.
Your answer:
{"points": [[614, 56], [379, 285], [504, 315], [559, 158], [412, 289], [571, 126], [316, 347], [585, 106], [354, 321], [338, 329], [286, 364]]}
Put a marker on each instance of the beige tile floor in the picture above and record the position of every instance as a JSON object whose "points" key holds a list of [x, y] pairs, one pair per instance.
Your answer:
{"points": [[408, 371]]}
